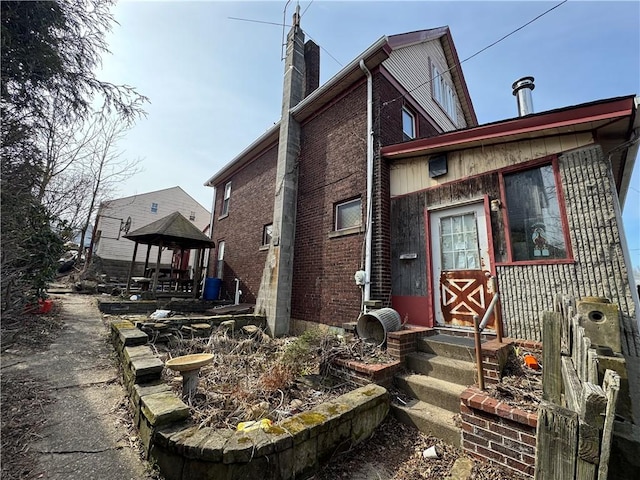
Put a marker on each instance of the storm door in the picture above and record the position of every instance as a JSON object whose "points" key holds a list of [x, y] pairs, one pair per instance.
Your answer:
{"points": [[460, 265]]}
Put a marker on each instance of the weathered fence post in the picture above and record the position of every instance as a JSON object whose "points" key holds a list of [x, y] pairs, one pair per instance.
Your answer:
{"points": [[551, 372], [556, 442], [611, 386]]}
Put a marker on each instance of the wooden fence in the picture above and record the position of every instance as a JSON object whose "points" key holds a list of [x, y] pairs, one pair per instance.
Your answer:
{"points": [[575, 419]]}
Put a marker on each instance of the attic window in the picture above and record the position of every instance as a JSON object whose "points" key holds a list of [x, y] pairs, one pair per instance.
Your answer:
{"points": [[408, 124], [444, 94], [192, 216], [154, 208]]}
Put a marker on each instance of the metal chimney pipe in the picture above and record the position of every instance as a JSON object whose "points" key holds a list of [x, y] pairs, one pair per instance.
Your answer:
{"points": [[522, 90]]}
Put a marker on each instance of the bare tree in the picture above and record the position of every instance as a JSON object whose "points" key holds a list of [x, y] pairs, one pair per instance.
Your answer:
{"points": [[83, 166]]}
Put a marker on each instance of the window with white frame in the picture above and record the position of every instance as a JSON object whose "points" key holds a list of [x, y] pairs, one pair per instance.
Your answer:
{"points": [[267, 233], [192, 215], [220, 265], [154, 208], [408, 124], [444, 93], [348, 214], [225, 200]]}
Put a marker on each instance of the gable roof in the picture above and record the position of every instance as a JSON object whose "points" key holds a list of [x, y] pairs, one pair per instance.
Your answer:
{"points": [[177, 188], [173, 231], [372, 57]]}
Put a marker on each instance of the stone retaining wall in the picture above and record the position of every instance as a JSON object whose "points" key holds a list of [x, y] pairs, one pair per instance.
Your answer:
{"points": [[497, 432], [293, 448]]}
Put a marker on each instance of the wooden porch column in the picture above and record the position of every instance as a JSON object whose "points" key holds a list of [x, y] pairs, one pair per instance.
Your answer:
{"points": [[146, 260]]}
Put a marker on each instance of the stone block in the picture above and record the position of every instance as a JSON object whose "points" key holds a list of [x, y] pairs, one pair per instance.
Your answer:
{"points": [[130, 337], [189, 440], [146, 367], [131, 353], [212, 448], [204, 470], [144, 389], [163, 408], [243, 447], [334, 440], [366, 422], [305, 456], [162, 435], [170, 464], [601, 322]]}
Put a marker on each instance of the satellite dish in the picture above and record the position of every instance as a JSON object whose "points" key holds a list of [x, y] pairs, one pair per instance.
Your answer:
{"points": [[126, 226]]}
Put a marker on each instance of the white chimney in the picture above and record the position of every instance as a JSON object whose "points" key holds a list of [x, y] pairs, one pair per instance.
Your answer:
{"points": [[522, 90]]}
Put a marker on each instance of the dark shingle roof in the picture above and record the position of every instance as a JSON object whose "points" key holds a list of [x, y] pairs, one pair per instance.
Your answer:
{"points": [[173, 231]]}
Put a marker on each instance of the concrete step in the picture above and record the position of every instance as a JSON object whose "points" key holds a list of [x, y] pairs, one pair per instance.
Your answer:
{"points": [[439, 393], [429, 419], [460, 348], [449, 369]]}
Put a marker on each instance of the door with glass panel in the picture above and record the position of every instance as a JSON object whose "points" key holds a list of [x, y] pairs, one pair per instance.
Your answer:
{"points": [[460, 265]]}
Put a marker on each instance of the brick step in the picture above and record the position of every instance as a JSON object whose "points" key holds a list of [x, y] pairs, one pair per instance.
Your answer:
{"points": [[439, 393], [429, 419], [450, 369], [460, 348]]}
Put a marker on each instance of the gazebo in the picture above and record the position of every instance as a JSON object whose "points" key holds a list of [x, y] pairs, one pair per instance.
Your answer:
{"points": [[173, 232]]}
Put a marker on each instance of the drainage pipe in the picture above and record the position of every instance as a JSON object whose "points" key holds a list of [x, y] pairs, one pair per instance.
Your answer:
{"points": [[369, 220]]}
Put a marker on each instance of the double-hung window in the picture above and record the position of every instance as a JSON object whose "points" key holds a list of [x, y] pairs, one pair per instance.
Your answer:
{"points": [[444, 94], [536, 221], [267, 233], [225, 200]]}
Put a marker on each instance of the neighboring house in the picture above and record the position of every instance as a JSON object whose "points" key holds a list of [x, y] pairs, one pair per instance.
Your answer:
{"points": [[305, 207], [115, 218]]}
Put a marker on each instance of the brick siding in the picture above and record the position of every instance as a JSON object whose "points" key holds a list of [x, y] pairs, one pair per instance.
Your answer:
{"points": [[250, 208], [497, 432]]}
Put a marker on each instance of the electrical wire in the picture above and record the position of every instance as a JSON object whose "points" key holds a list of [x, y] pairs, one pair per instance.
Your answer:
{"points": [[478, 52]]}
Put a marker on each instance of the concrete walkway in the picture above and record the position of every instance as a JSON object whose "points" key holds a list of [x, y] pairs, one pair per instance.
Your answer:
{"points": [[85, 435]]}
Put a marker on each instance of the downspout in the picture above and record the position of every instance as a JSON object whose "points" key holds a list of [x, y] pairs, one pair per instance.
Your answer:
{"points": [[367, 255]]}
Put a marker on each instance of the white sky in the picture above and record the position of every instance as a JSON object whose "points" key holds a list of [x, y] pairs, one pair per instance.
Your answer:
{"points": [[215, 84]]}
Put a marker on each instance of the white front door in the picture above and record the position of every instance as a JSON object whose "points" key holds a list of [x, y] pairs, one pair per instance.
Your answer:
{"points": [[460, 265]]}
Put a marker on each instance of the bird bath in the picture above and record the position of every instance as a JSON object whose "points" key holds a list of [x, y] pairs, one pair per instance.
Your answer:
{"points": [[189, 366]]}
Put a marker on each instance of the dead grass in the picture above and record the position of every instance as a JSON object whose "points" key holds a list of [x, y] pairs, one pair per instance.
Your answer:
{"points": [[254, 376]]}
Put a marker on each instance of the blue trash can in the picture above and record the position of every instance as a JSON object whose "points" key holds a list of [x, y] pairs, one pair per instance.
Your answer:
{"points": [[211, 288]]}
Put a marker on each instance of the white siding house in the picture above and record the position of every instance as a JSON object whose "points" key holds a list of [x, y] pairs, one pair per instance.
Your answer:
{"points": [[116, 217]]}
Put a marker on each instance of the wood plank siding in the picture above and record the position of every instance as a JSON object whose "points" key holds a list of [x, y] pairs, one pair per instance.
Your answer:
{"points": [[417, 78], [412, 175]]}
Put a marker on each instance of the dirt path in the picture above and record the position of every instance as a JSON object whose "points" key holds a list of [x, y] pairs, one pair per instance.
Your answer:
{"points": [[83, 428]]}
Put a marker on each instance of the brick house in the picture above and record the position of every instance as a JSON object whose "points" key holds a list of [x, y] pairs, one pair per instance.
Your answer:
{"points": [[296, 256]]}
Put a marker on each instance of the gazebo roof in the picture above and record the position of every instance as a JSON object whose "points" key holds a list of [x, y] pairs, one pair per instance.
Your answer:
{"points": [[172, 231]]}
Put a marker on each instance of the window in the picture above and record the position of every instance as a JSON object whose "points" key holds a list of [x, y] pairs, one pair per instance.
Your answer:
{"points": [[192, 216], [348, 214], [220, 266], [154, 208], [444, 94], [267, 232], [408, 124], [535, 221], [225, 201], [459, 242]]}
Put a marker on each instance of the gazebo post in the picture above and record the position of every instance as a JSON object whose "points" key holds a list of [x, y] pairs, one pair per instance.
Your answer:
{"points": [[157, 273], [146, 260], [133, 262]]}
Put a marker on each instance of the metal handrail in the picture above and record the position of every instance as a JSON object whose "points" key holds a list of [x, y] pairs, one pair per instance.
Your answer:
{"points": [[479, 326]]}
